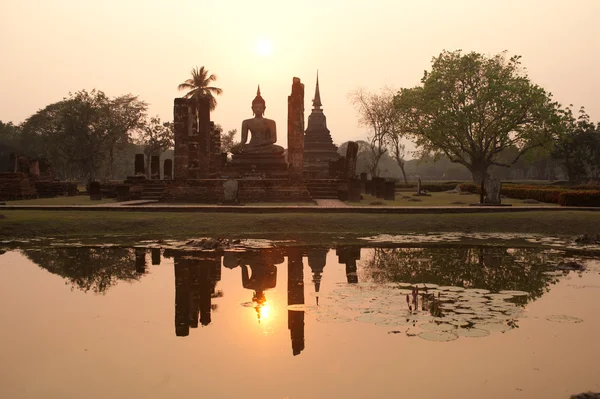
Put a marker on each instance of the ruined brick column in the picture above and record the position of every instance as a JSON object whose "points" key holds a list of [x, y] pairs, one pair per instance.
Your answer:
{"points": [[296, 130], [351, 154], [34, 168], [182, 121], [204, 136], [215, 149]]}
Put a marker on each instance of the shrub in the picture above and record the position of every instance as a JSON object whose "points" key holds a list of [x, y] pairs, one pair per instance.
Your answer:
{"points": [[579, 198]]}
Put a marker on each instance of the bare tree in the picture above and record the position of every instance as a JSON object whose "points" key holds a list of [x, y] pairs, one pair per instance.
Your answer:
{"points": [[376, 112]]}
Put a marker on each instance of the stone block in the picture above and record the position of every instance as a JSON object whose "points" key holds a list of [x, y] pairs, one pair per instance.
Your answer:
{"points": [[122, 192], [230, 192], [354, 190], [95, 191], [389, 193]]}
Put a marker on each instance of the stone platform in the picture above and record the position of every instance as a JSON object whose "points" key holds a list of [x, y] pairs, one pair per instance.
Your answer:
{"points": [[249, 190], [257, 164]]}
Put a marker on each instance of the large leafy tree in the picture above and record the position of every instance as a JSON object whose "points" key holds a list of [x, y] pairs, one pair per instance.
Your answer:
{"points": [[577, 146], [81, 134], [10, 142], [471, 107], [199, 86]]}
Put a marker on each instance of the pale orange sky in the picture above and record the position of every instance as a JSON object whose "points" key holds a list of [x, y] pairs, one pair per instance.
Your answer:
{"points": [[49, 48]]}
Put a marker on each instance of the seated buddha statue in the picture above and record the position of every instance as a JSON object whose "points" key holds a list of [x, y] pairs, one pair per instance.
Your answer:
{"points": [[263, 130]]}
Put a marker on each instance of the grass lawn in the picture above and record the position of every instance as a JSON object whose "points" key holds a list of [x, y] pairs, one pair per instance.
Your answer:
{"points": [[306, 227], [75, 200], [436, 199]]}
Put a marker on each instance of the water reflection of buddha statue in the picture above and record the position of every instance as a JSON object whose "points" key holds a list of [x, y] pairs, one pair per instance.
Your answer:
{"points": [[259, 274], [260, 154]]}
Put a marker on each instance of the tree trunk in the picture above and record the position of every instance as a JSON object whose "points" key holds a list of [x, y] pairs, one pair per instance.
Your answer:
{"points": [[479, 176], [401, 165]]}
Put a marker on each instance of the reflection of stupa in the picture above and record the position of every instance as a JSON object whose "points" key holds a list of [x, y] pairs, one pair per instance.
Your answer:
{"points": [[317, 258], [319, 149]]}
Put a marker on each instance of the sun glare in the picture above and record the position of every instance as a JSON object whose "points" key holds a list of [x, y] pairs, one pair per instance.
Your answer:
{"points": [[264, 47]]}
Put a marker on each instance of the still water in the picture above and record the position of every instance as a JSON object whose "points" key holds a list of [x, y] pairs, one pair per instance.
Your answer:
{"points": [[298, 322]]}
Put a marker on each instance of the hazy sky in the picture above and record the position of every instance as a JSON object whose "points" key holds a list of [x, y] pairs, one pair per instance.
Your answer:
{"points": [[146, 47]]}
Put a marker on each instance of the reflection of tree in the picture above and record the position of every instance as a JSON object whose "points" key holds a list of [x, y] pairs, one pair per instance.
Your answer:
{"points": [[490, 268], [94, 269]]}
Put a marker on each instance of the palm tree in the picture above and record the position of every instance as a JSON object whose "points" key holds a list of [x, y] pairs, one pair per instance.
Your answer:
{"points": [[198, 86]]}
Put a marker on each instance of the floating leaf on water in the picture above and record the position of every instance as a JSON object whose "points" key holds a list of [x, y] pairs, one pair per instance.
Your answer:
{"points": [[500, 296], [302, 308], [437, 326], [459, 323], [560, 318], [477, 291], [396, 311], [333, 318], [424, 285], [555, 273], [500, 327], [439, 336], [514, 292], [471, 332], [451, 288], [404, 285], [371, 318], [463, 311], [391, 323]]}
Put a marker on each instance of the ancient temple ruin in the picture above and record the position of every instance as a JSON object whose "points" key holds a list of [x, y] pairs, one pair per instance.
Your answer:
{"points": [[319, 149], [259, 170]]}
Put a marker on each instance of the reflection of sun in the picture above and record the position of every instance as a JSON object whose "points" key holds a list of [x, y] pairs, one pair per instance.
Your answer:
{"points": [[264, 47], [265, 311]]}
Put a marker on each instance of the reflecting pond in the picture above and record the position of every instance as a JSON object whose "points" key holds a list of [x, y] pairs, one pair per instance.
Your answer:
{"points": [[298, 322]]}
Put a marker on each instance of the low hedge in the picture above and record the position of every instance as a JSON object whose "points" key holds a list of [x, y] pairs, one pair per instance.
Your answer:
{"points": [[580, 198], [586, 197]]}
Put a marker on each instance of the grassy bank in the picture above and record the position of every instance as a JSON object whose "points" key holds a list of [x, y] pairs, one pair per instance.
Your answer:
{"points": [[406, 198], [157, 225]]}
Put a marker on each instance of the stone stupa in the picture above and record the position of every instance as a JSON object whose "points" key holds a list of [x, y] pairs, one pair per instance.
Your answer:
{"points": [[319, 149]]}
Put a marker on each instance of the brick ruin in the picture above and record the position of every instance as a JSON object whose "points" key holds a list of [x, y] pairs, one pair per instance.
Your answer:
{"points": [[200, 170], [31, 178]]}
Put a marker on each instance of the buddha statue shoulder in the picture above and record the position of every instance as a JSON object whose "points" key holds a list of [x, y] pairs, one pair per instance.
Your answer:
{"points": [[263, 131]]}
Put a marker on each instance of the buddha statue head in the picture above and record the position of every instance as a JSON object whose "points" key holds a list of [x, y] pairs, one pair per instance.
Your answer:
{"points": [[258, 104]]}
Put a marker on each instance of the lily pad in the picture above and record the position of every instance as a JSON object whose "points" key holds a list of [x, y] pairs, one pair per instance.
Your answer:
{"points": [[371, 318], [514, 292], [560, 318], [437, 326], [471, 332], [333, 318], [499, 327], [438, 336]]}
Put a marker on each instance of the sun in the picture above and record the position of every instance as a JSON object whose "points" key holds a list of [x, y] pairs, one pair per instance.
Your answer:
{"points": [[264, 47]]}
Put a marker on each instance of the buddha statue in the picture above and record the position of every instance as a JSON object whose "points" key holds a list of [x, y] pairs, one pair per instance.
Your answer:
{"points": [[263, 130]]}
